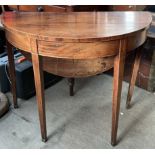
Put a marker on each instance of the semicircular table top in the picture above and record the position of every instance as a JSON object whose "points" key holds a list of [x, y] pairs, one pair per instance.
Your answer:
{"points": [[76, 25]]}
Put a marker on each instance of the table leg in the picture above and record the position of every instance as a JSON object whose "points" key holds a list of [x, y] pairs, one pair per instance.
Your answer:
{"points": [[39, 84], [133, 76], [71, 86], [117, 87], [12, 73]]}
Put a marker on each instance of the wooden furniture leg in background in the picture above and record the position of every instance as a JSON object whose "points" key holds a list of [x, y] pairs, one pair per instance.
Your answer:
{"points": [[71, 82], [133, 76], [12, 73], [39, 84], [117, 88]]}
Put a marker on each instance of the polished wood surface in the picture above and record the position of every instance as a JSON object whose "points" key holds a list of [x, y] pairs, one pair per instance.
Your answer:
{"points": [[77, 45], [76, 26]]}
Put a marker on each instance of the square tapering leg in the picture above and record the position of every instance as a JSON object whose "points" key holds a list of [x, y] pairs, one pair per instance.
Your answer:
{"points": [[12, 73], [117, 88], [39, 84], [133, 76]]}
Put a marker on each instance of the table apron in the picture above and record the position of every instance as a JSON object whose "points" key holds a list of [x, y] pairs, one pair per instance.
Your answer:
{"points": [[69, 59]]}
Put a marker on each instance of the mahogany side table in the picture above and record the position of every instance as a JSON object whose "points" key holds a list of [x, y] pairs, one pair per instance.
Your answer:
{"points": [[76, 44]]}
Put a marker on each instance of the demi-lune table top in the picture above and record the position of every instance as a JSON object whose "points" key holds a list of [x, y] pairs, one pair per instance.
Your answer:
{"points": [[79, 26]]}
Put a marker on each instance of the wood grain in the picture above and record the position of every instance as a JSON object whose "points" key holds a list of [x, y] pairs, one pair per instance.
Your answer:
{"points": [[12, 73], [76, 26], [133, 76], [74, 68], [39, 85], [117, 88]]}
